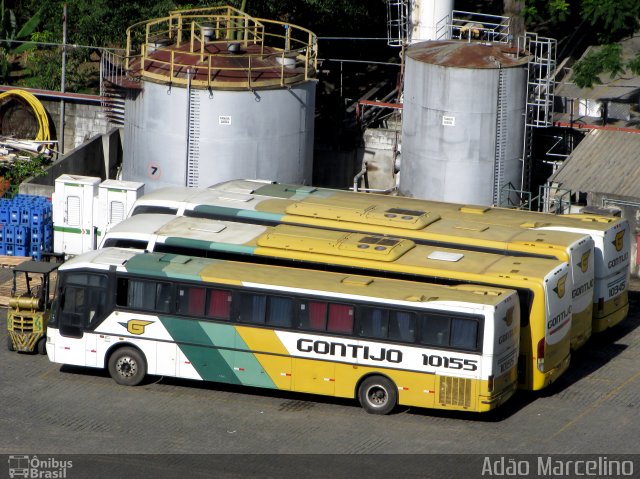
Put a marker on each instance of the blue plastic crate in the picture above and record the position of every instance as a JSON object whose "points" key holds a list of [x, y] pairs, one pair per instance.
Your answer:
{"points": [[22, 236], [9, 249], [3, 248], [25, 215], [9, 233], [20, 250], [14, 215], [47, 234], [37, 234]]}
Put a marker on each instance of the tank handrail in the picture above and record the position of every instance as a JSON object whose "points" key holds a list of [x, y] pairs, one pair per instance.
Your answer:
{"points": [[221, 25]]}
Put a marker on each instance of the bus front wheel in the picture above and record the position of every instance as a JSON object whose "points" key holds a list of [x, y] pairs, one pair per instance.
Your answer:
{"points": [[42, 346], [378, 395], [10, 345], [127, 366]]}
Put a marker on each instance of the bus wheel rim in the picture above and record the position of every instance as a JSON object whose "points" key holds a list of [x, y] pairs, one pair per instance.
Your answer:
{"points": [[126, 366], [377, 396]]}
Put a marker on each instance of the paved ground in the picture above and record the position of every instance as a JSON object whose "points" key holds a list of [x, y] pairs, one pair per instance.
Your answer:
{"points": [[51, 410]]}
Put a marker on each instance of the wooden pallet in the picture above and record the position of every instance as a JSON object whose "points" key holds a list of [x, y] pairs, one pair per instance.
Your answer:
{"points": [[6, 277]]}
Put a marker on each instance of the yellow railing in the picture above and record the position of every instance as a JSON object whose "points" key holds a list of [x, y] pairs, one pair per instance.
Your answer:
{"points": [[295, 46]]}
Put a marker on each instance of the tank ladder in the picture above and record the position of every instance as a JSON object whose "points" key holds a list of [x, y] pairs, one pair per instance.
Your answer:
{"points": [[500, 140], [193, 138], [397, 22]]}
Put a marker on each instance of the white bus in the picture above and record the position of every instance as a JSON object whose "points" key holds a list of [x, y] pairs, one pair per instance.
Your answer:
{"points": [[382, 341]]}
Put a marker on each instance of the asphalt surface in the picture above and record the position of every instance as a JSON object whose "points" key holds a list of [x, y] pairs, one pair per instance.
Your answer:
{"points": [[52, 410]]}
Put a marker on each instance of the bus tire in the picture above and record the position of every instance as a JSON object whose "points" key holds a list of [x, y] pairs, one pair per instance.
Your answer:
{"points": [[127, 366], [10, 346], [378, 395], [42, 346]]}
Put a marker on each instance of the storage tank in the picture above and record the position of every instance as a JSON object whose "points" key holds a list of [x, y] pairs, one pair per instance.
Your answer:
{"points": [[430, 19], [214, 95], [463, 121]]}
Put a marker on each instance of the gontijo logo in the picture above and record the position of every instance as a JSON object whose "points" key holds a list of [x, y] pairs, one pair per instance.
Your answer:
{"points": [[508, 317], [136, 326], [584, 261], [619, 241], [560, 287]]}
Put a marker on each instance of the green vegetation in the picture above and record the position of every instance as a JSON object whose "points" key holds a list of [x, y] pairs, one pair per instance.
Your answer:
{"points": [[95, 24], [15, 173], [600, 22]]}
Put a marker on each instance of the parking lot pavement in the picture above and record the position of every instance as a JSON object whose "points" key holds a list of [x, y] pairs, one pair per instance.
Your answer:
{"points": [[593, 409]]}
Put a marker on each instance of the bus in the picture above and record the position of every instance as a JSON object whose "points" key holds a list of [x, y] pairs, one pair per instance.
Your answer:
{"points": [[543, 284], [272, 204], [611, 235], [381, 341]]}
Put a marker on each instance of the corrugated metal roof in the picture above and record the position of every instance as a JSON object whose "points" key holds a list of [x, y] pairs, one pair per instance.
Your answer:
{"points": [[622, 87], [604, 162]]}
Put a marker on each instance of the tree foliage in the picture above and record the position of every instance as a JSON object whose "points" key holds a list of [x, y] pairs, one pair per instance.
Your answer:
{"points": [[13, 39]]}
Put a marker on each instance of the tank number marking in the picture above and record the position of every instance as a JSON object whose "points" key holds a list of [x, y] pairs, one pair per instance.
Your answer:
{"points": [[154, 172], [224, 120], [448, 121]]}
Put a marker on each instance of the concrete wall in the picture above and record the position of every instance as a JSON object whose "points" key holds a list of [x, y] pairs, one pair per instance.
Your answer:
{"points": [[100, 156], [84, 119]]}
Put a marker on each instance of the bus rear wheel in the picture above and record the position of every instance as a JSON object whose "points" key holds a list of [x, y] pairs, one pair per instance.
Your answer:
{"points": [[127, 366], [378, 395]]}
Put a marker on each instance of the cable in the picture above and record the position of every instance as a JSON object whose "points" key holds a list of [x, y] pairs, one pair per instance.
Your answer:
{"points": [[44, 133]]}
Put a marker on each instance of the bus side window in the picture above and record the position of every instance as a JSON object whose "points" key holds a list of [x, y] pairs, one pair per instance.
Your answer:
{"points": [[190, 301], [219, 305], [340, 318], [252, 308], [373, 322], [402, 326], [313, 315], [464, 333], [434, 330], [280, 312], [163, 297]]}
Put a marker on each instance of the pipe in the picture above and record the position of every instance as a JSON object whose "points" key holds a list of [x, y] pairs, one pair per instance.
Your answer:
{"points": [[360, 174]]}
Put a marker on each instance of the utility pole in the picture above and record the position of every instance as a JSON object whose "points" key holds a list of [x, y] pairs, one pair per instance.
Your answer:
{"points": [[63, 79]]}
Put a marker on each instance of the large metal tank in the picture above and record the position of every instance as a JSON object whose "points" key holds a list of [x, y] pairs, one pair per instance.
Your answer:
{"points": [[220, 95], [463, 121]]}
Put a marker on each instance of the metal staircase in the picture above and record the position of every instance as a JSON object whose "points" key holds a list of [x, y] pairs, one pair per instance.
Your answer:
{"points": [[112, 91], [540, 93]]}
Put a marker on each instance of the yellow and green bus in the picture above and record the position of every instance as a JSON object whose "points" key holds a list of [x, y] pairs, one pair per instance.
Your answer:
{"points": [[611, 235], [383, 341], [272, 204], [543, 285]]}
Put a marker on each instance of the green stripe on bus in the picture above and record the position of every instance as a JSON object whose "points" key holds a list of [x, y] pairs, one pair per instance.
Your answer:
{"points": [[209, 245], [212, 363], [242, 213]]}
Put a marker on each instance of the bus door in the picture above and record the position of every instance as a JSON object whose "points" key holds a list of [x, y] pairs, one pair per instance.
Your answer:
{"points": [[83, 305]]}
